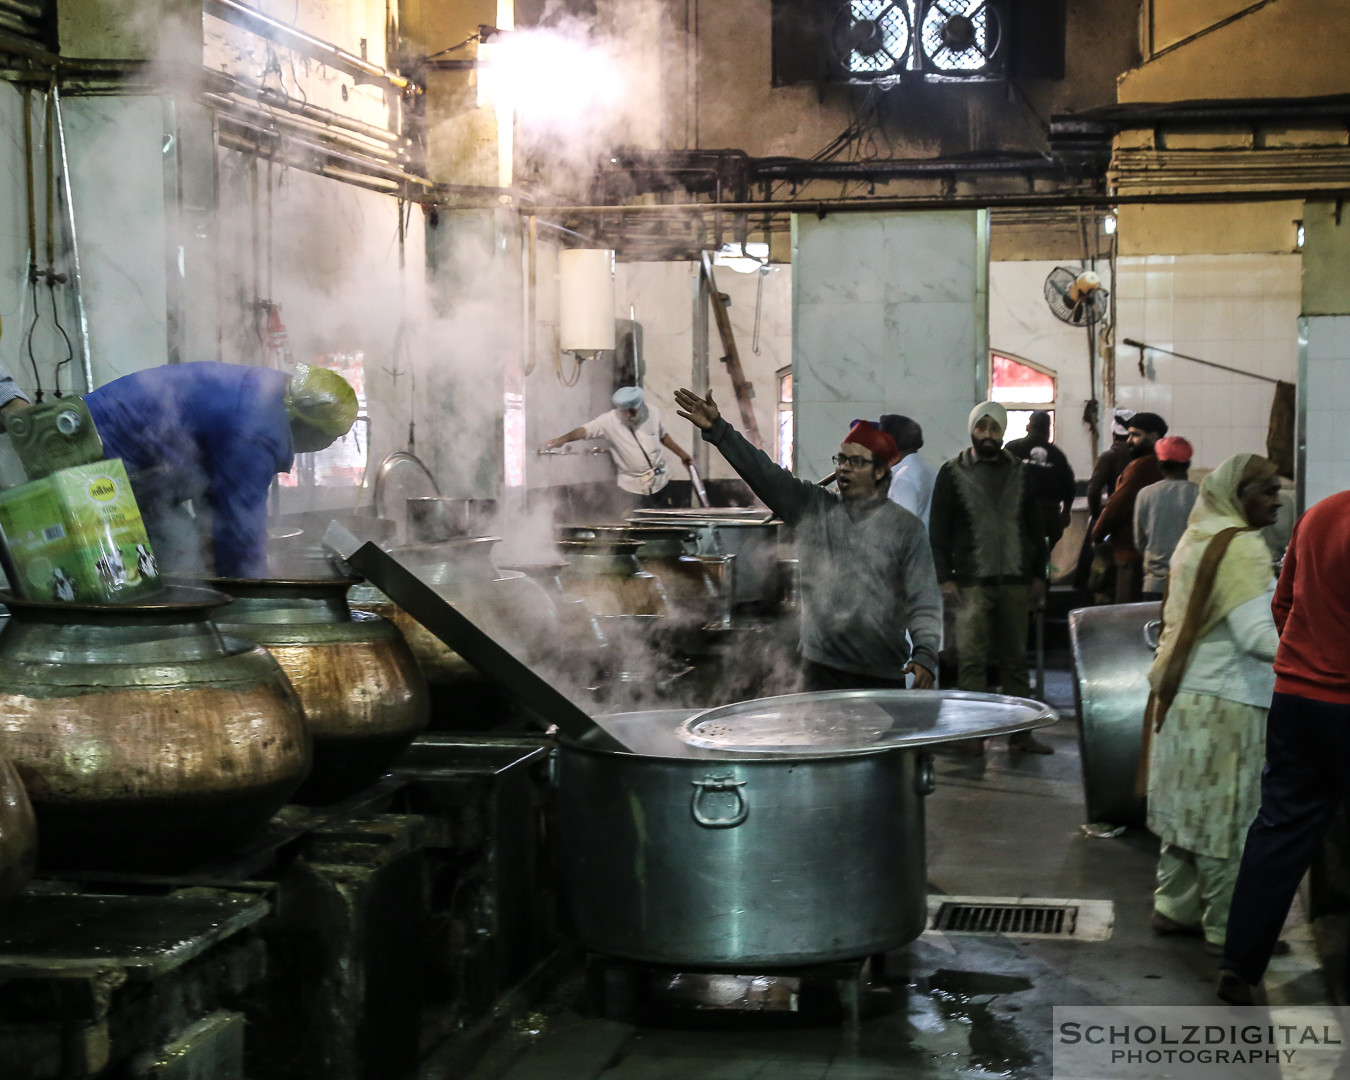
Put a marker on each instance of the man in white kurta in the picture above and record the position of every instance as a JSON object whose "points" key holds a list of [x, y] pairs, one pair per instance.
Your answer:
{"points": [[637, 442]]}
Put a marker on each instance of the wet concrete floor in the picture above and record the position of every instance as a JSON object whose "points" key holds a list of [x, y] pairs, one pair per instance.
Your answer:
{"points": [[948, 1005]]}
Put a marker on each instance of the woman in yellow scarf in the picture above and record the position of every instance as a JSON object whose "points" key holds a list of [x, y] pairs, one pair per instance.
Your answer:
{"points": [[1212, 681]]}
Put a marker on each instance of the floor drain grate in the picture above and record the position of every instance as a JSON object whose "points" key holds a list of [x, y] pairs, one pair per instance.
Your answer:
{"points": [[1079, 920]]}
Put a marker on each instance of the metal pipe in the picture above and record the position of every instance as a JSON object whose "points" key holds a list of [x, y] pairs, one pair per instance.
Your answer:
{"points": [[15, 24], [233, 106], [31, 12], [367, 167], [76, 278], [1141, 346], [228, 84], [255, 22], [829, 170], [822, 207]]}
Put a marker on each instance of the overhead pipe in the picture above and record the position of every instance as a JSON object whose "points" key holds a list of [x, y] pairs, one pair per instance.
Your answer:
{"points": [[31, 12], [222, 83], [364, 166], [233, 106], [893, 169], [255, 22], [1049, 200]]}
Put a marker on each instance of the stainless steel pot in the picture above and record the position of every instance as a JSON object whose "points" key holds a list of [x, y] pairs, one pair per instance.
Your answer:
{"points": [[747, 534], [712, 861], [1111, 658], [769, 833]]}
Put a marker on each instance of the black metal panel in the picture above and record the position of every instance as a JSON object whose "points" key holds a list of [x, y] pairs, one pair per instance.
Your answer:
{"points": [[800, 41], [1037, 39]]}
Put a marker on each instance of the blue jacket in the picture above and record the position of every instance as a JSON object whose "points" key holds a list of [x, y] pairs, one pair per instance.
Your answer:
{"points": [[216, 434]]}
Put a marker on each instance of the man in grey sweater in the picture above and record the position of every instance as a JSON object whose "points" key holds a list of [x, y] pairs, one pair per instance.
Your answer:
{"points": [[1161, 511], [867, 566]]}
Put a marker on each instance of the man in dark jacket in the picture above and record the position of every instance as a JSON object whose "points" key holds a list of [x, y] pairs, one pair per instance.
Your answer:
{"points": [[1116, 521], [1052, 473], [867, 571], [990, 555]]}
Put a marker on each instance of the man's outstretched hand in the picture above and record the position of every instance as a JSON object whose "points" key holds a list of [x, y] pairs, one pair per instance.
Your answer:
{"points": [[701, 412]]}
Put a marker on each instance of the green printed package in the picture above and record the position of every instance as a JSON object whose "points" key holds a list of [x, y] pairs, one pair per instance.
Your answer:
{"points": [[77, 535]]}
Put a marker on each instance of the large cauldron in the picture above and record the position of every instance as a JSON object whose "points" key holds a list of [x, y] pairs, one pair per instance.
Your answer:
{"points": [[363, 695], [679, 853], [746, 534], [146, 740], [18, 833], [1111, 658], [708, 861]]}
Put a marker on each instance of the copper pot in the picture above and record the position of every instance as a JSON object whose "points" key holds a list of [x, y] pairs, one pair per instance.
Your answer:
{"points": [[145, 739], [18, 833], [363, 696]]}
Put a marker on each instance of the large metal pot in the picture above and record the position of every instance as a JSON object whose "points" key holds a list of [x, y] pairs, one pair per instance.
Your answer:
{"points": [[1111, 658], [808, 848], [747, 534], [145, 739], [363, 695], [18, 833], [763, 861]]}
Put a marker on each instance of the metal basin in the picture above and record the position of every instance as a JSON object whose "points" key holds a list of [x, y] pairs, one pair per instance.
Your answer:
{"points": [[1111, 658]]}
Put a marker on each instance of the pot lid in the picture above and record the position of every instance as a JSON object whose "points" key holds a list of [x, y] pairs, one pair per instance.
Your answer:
{"points": [[836, 722]]}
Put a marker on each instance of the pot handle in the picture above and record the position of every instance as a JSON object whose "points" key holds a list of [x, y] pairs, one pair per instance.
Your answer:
{"points": [[718, 784], [1153, 634], [925, 779]]}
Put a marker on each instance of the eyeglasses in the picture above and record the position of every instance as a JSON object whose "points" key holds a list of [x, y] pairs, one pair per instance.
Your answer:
{"points": [[853, 461]]}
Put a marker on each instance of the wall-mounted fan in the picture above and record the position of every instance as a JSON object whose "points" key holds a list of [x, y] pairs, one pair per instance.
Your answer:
{"points": [[1076, 296], [961, 38], [871, 38]]}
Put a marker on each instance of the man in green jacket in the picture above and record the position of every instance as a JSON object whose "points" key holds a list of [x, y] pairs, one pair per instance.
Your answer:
{"points": [[867, 570], [989, 550]]}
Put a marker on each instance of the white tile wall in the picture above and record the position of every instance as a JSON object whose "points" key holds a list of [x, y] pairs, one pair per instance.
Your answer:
{"points": [[1325, 398], [1238, 310], [891, 316]]}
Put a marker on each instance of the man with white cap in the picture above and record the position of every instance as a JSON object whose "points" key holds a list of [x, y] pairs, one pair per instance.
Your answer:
{"points": [[636, 436], [989, 551]]}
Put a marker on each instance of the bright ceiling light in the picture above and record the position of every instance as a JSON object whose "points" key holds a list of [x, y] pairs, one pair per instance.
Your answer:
{"points": [[548, 79]]}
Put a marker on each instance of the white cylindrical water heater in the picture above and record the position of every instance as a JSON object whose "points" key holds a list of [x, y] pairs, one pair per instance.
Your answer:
{"points": [[585, 300]]}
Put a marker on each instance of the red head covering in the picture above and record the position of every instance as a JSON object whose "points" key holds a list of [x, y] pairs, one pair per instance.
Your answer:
{"points": [[1173, 448], [873, 438]]}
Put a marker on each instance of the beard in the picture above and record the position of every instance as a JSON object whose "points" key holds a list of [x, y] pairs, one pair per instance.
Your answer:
{"points": [[1139, 450], [987, 448]]}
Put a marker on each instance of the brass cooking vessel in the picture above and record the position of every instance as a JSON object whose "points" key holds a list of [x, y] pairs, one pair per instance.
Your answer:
{"points": [[606, 573], [145, 739], [18, 833], [363, 695]]}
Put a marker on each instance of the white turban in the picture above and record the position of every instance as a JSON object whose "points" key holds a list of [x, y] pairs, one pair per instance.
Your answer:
{"points": [[988, 408], [627, 397]]}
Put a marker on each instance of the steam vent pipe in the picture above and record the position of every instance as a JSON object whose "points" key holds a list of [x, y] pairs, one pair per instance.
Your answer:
{"points": [[255, 22]]}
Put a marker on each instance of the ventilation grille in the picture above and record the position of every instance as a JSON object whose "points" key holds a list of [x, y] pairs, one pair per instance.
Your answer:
{"points": [[1033, 917], [1005, 919]]}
